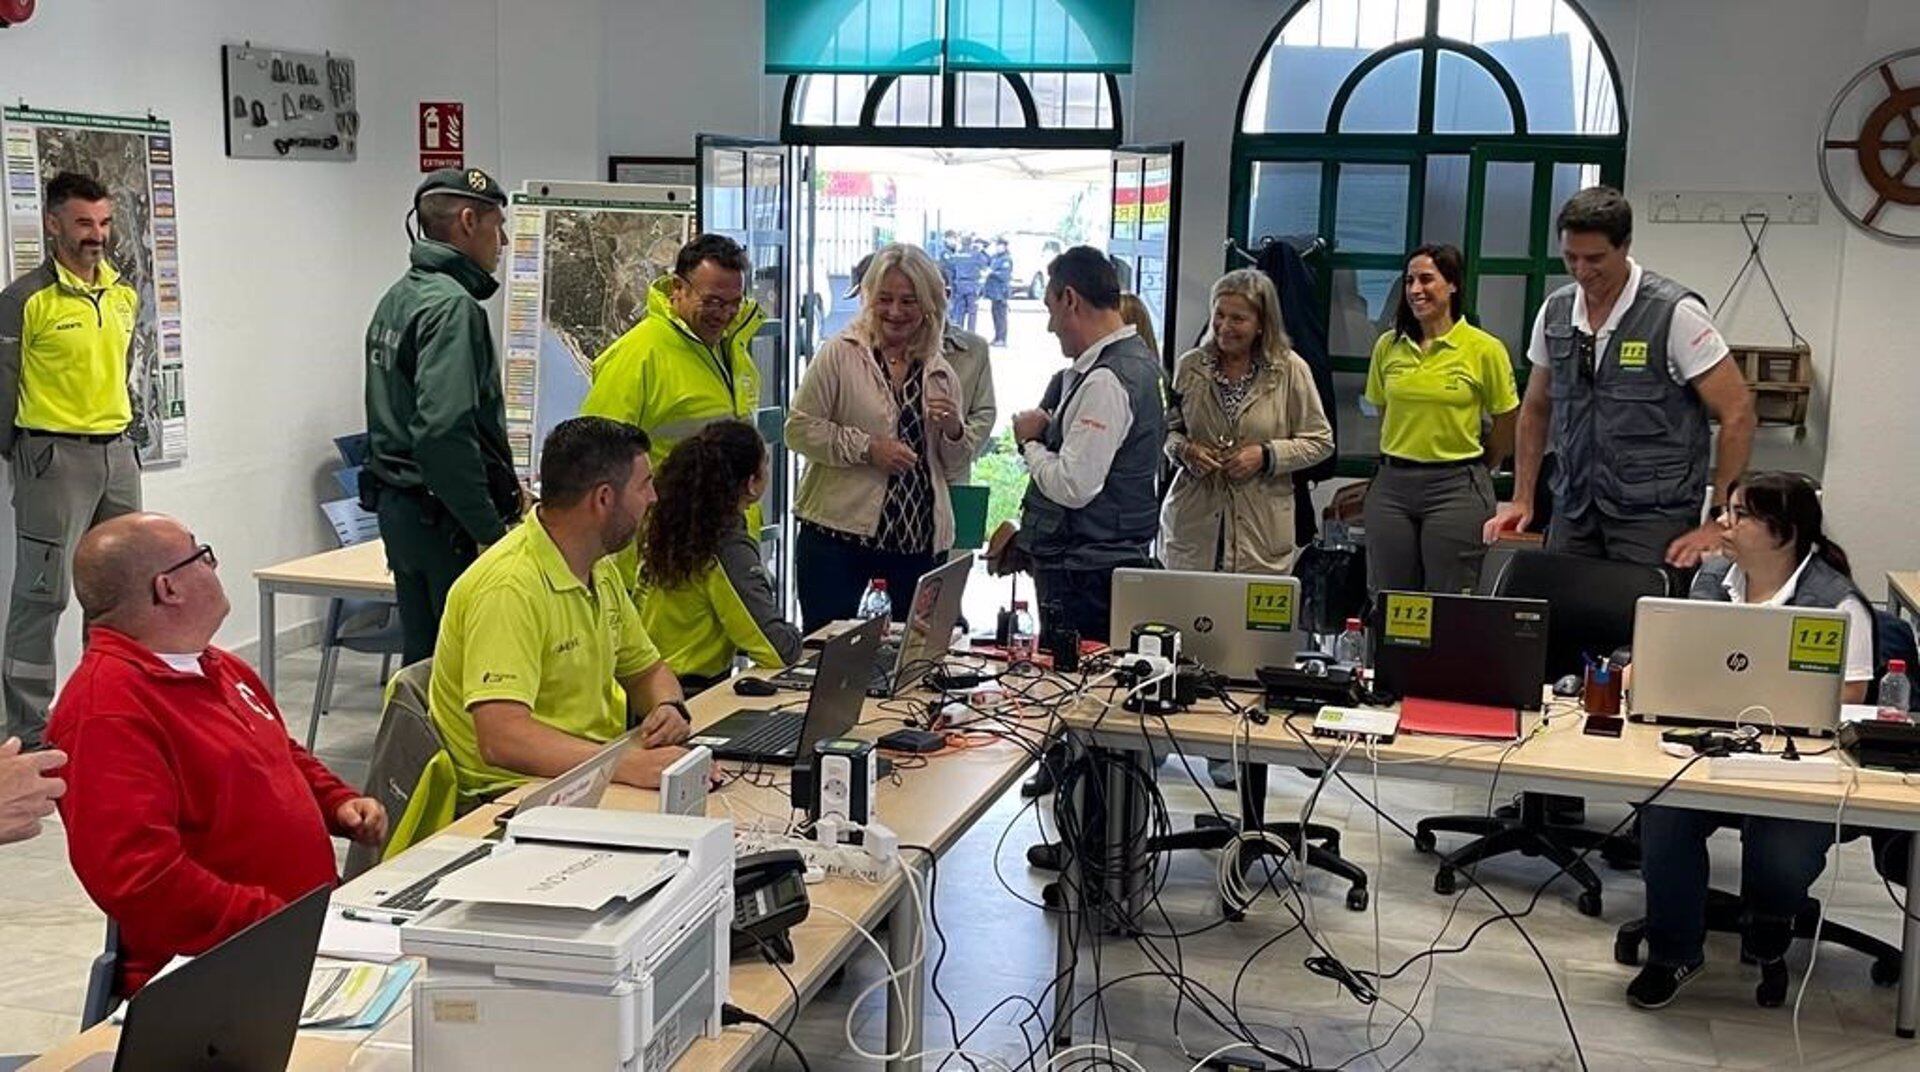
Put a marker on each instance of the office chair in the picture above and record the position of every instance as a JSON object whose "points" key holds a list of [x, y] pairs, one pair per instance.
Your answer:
{"points": [[1213, 832], [407, 741], [1593, 601], [371, 627], [101, 977]]}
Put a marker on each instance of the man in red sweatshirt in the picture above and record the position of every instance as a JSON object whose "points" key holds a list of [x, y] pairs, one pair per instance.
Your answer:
{"points": [[190, 812]]}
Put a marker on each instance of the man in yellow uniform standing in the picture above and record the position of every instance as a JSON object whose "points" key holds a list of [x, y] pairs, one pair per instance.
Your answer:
{"points": [[66, 408], [689, 360]]}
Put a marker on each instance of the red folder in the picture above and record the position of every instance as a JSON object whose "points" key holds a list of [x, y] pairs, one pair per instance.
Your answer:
{"points": [[1459, 719]]}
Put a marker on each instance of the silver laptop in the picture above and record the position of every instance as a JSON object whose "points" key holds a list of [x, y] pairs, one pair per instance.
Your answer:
{"points": [[1699, 662], [401, 888], [1231, 623], [913, 648]]}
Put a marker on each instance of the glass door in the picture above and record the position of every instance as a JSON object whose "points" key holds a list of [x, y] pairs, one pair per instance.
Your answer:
{"points": [[1145, 237], [747, 190]]}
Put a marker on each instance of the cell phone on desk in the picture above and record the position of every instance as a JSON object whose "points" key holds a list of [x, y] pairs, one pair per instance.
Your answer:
{"points": [[1603, 725]]}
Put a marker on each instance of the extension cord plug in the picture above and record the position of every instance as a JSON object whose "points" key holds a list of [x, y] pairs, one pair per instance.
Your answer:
{"points": [[881, 843], [1753, 767]]}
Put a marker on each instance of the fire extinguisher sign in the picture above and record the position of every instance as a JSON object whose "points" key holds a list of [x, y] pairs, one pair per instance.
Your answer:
{"points": [[443, 135]]}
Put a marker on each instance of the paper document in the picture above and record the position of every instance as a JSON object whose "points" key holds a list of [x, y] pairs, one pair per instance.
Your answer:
{"points": [[343, 994], [358, 939], [559, 876]]}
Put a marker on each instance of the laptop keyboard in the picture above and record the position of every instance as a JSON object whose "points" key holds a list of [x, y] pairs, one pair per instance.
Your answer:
{"points": [[779, 732], [415, 896]]}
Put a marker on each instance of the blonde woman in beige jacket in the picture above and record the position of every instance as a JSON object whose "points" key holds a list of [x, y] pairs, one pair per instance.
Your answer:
{"points": [[1244, 415], [878, 418]]}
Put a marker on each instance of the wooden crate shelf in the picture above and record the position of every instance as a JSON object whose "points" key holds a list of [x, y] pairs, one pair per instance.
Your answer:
{"points": [[1781, 378]]}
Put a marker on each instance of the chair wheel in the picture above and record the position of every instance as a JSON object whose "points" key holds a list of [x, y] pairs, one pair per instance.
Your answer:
{"points": [[1357, 899], [1051, 896], [1589, 903], [1443, 881], [1626, 950], [1232, 913], [1885, 972], [1423, 841]]}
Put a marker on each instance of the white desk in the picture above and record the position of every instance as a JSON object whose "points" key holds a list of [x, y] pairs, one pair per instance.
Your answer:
{"points": [[356, 572]]}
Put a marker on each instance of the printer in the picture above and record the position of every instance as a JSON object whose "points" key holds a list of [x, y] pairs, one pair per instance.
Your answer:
{"points": [[514, 981]]}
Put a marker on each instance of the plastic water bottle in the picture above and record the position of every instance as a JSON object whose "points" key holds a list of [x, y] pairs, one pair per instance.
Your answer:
{"points": [[1351, 647], [1021, 634], [1896, 692], [875, 602]]}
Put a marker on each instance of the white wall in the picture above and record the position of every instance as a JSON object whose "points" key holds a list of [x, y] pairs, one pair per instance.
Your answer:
{"points": [[673, 70], [282, 262]]}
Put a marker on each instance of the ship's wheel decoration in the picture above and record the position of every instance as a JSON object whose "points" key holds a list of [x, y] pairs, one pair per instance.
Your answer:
{"points": [[1871, 170]]}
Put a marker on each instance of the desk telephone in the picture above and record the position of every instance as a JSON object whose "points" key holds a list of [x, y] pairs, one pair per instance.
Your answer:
{"points": [[769, 899]]}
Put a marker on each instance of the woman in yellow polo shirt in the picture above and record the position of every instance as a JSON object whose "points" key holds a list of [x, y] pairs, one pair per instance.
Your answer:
{"points": [[704, 594], [1438, 380]]}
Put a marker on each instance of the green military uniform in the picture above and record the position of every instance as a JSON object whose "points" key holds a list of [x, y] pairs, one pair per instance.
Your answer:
{"points": [[439, 470]]}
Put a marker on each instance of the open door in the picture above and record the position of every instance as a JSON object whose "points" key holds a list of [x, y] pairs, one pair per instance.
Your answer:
{"points": [[748, 191], [1145, 238]]}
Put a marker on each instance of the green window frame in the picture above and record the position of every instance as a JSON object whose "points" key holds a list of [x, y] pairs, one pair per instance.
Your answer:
{"points": [[1381, 155]]}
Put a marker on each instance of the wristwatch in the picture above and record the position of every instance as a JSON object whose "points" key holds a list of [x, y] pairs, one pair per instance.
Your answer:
{"points": [[679, 706]]}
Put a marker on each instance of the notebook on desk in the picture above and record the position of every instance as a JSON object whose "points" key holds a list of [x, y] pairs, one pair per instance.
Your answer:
{"points": [[1449, 719]]}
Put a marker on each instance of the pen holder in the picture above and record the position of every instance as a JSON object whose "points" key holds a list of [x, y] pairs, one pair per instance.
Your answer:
{"points": [[1601, 696]]}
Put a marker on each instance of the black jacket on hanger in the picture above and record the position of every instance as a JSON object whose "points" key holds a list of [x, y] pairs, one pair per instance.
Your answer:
{"points": [[1295, 283]]}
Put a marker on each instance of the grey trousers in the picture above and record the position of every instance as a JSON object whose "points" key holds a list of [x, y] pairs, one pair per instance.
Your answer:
{"points": [[61, 488], [1596, 535], [1423, 527]]}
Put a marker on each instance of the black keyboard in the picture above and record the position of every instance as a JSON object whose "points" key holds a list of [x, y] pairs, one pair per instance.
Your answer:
{"points": [[415, 896], [777, 733]]}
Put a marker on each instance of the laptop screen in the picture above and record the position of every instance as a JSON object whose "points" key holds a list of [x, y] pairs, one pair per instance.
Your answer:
{"points": [[928, 633]]}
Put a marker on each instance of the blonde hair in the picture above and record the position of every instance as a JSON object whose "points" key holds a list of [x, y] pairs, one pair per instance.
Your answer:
{"points": [[1252, 286], [924, 276], [1134, 311]]}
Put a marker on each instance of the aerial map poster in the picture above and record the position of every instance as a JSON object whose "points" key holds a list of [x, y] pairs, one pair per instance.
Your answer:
{"points": [[134, 158], [577, 279]]}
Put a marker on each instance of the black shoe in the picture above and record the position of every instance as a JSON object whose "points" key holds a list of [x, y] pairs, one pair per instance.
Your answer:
{"points": [[1047, 856], [1656, 984], [1039, 785], [1772, 991]]}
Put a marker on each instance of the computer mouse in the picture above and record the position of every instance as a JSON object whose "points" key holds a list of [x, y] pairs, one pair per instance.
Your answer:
{"points": [[1568, 686], [754, 686]]}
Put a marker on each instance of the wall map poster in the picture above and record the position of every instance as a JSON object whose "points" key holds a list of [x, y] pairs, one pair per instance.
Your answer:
{"points": [[133, 157], [577, 277]]}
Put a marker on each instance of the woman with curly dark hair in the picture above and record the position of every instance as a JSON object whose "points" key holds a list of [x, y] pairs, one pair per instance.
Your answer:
{"points": [[705, 595]]}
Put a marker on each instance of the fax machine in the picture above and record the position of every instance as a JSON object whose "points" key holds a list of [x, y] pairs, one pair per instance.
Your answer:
{"points": [[518, 981]]}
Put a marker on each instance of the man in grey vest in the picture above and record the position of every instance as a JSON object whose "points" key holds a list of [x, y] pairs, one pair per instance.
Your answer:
{"points": [[1092, 450], [1628, 370], [1093, 454]]}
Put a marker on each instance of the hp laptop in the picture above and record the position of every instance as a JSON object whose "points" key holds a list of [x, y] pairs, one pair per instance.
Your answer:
{"points": [[924, 641], [401, 888], [780, 735], [234, 1008], [1231, 623], [1479, 650], [1730, 663]]}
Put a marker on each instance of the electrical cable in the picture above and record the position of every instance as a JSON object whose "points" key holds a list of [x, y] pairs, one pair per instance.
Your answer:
{"points": [[1820, 920], [734, 1014]]}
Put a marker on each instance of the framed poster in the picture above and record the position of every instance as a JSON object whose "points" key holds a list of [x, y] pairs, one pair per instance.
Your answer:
{"points": [[654, 170]]}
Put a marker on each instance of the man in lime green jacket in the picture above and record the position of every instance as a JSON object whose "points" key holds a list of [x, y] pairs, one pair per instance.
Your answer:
{"points": [[688, 361]]}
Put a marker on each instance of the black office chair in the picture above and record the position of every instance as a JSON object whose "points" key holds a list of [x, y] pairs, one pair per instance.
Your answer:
{"points": [[101, 980], [1592, 601]]}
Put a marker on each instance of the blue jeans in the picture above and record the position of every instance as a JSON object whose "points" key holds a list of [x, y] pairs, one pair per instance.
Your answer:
{"points": [[1779, 859]]}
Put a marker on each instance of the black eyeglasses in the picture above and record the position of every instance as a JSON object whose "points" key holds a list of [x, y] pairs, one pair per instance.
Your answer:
{"points": [[205, 551]]}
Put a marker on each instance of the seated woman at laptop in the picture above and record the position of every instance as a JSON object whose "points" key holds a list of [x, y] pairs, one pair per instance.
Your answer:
{"points": [[704, 592], [1775, 553]]}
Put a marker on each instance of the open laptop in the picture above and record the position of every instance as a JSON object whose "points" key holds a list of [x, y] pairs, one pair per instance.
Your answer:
{"points": [[1231, 623], [833, 705], [1484, 651], [402, 888], [234, 1008], [1699, 662], [925, 637]]}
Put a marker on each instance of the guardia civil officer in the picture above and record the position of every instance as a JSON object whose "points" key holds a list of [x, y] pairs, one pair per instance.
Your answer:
{"points": [[439, 470]]}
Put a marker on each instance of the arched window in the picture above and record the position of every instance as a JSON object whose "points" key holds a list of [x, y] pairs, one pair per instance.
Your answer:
{"points": [[1378, 125], [1033, 109]]}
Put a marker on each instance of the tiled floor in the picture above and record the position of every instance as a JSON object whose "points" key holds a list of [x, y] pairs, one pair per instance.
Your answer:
{"points": [[1490, 1007]]}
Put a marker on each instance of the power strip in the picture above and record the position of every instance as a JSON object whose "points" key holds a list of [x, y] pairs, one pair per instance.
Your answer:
{"points": [[1750, 767], [1376, 722]]}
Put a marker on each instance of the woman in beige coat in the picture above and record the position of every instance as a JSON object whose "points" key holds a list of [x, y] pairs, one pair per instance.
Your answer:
{"points": [[1243, 416], [878, 419]]}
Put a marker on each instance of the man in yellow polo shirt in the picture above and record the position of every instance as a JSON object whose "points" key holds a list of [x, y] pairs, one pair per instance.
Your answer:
{"points": [[541, 655], [65, 411]]}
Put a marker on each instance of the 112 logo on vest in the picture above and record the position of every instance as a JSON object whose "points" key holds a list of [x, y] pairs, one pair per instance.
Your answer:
{"points": [[1633, 354]]}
